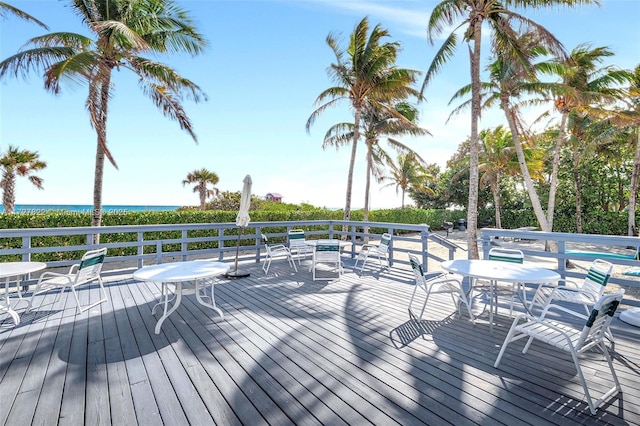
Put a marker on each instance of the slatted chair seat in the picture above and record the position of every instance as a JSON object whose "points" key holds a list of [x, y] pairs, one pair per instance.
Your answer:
{"points": [[85, 272], [438, 284], [380, 251], [572, 340], [327, 252], [275, 251]]}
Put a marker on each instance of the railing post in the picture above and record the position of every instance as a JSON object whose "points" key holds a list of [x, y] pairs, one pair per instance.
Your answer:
{"points": [[26, 243], [183, 245], [220, 244], [258, 243], [159, 252], [562, 259], [424, 237], [140, 249]]}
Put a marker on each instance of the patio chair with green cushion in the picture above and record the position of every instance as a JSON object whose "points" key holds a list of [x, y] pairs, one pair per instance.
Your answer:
{"points": [[275, 251], [85, 272], [572, 340], [327, 252], [298, 244], [572, 293], [513, 290], [437, 284], [381, 251]]}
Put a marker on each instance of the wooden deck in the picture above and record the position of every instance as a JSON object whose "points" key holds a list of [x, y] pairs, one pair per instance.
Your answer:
{"points": [[292, 351]]}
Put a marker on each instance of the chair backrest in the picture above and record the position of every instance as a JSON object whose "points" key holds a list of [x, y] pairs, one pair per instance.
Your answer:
{"points": [[599, 320], [416, 266], [597, 277], [296, 238], [506, 255], [327, 250], [91, 265], [385, 240]]}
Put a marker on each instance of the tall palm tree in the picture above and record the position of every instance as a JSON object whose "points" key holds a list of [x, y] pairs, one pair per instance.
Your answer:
{"points": [[469, 16], [400, 120], [585, 89], [202, 178], [6, 9], [18, 162], [122, 31], [365, 73]]}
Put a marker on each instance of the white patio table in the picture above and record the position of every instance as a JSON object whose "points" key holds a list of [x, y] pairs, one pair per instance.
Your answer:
{"points": [[17, 270], [200, 272], [494, 271]]}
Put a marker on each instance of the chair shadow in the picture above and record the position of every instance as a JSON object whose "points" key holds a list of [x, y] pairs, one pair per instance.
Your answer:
{"points": [[414, 328]]}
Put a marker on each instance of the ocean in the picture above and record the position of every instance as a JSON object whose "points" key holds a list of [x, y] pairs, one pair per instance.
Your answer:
{"points": [[86, 208]]}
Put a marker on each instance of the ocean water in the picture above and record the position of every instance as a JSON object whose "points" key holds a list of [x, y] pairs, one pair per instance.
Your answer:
{"points": [[86, 208]]}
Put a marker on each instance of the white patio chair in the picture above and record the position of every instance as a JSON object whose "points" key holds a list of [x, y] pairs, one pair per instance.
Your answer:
{"points": [[572, 340], [275, 251], [381, 251], [327, 252], [298, 244], [85, 272], [575, 294], [511, 256], [442, 283]]}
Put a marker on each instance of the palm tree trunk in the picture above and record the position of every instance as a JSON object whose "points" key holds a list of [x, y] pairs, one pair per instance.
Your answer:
{"points": [[528, 182], [555, 166], [352, 162], [367, 188], [497, 201], [633, 190], [577, 185], [472, 205], [8, 191], [100, 124]]}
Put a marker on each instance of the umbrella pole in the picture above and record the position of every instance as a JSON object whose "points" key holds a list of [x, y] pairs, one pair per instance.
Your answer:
{"points": [[238, 249], [235, 273]]}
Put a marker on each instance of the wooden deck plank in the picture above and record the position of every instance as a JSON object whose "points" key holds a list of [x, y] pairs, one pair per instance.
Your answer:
{"points": [[292, 351]]}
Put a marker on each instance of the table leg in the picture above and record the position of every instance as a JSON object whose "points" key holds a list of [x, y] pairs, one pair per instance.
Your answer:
{"points": [[200, 300], [7, 304], [178, 297], [492, 285]]}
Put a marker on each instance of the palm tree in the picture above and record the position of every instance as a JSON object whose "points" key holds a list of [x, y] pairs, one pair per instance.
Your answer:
{"points": [[7, 9], [407, 172], [16, 162], [584, 89], [202, 178], [397, 121], [470, 15], [498, 158], [123, 31], [365, 74]]}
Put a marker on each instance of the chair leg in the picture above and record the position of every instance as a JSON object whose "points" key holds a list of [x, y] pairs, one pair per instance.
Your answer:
{"points": [[266, 265], [507, 340]]}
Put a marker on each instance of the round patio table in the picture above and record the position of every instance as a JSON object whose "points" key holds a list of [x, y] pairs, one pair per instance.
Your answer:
{"points": [[17, 270], [494, 271], [176, 275]]}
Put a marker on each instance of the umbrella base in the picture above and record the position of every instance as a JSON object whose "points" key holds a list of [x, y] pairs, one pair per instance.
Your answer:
{"points": [[236, 274]]}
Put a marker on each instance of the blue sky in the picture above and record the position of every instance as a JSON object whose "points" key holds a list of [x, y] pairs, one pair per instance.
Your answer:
{"points": [[265, 65]]}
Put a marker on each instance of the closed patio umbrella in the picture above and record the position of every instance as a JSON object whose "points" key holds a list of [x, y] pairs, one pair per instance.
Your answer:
{"points": [[242, 221]]}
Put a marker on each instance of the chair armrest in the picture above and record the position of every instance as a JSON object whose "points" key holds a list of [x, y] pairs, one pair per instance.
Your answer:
{"points": [[567, 283], [369, 246], [46, 275], [278, 247]]}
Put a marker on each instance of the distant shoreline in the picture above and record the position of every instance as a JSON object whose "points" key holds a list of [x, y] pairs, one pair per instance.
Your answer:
{"points": [[87, 208]]}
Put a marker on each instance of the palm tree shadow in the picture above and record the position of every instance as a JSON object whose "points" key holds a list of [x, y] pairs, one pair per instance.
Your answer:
{"points": [[414, 328]]}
